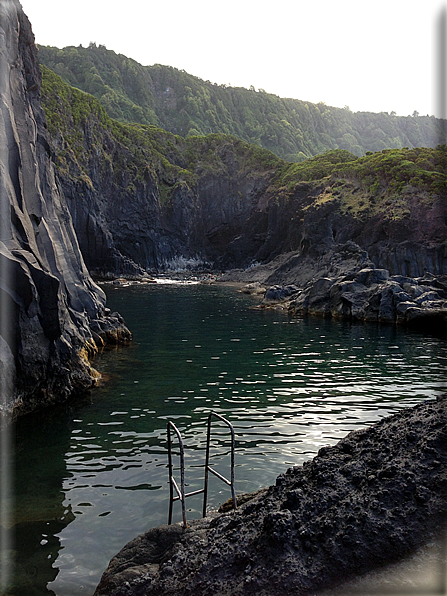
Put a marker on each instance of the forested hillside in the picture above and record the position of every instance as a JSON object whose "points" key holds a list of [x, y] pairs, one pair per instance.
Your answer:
{"points": [[142, 198], [186, 105]]}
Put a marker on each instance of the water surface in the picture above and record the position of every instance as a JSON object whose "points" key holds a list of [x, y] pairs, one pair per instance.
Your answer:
{"points": [[91, 476]]}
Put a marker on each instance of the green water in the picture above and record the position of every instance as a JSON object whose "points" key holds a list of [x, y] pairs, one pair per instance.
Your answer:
{"points": [[92, 475]]}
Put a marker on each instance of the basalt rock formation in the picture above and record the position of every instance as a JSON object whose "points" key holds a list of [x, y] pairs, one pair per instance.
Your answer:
{"points": [[53, 317], [344, 283], [369, 295], [369, 500]]}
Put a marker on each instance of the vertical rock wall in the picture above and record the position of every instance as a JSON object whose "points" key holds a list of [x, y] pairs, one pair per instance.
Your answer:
{"points": [[48, 302]]}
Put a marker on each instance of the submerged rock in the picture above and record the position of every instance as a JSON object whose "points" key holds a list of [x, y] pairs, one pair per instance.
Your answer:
{"points": [[371, 499]]}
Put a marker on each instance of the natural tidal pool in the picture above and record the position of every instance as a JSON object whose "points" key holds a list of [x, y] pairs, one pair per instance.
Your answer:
{"points": [[91, 475]]}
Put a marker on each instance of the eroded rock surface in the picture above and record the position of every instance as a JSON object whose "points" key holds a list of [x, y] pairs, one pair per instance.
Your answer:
{"points": [[53, 317], [371, 499], [344, 283]]}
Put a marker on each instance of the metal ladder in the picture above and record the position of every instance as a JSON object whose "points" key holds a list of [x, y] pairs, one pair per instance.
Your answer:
{"points": [[181, 495]]}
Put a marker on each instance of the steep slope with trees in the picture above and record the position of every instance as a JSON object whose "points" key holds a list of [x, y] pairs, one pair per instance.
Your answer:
{"points": [[142, 198], [186, 105]]}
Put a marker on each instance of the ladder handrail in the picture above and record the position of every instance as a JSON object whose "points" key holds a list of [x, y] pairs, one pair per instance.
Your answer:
{"points": [[172, 483], [181, 495], [208, 468]]}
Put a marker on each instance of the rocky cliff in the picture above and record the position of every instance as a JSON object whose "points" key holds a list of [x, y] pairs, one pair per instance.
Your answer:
{"points": [[144, 199], [53, 317]]}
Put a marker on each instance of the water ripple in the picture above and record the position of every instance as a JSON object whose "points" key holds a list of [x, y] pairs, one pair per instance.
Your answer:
{"points": [[288, 387]]}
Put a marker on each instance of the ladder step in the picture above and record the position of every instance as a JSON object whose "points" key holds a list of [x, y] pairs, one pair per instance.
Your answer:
{"points": [[194, 492], [219, 475]]}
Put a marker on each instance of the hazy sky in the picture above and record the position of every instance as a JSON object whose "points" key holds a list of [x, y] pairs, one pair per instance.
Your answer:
{"points": [[372, 56]]}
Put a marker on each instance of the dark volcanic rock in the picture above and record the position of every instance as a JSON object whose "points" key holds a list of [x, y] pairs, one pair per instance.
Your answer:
{"points": [[277, 293], [48, 300], [375, 296], [343, 283], [125, 227], [371, 499]]}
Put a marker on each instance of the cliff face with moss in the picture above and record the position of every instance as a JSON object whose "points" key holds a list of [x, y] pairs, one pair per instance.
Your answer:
{"points": [[53, 317], [144, 199]]}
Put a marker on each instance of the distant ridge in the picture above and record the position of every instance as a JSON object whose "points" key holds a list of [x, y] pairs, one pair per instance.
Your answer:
{"points": [[186, 105]]}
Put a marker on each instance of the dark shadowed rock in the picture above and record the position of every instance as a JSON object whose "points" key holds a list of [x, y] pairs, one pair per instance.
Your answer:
{"points": [[278, 293], [48, 300], [371, 499], [368, 277]]}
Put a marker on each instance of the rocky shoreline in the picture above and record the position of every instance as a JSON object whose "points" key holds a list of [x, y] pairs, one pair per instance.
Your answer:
{"points": [[370, 500], [371, 296], [345, 284], [340, 286]]}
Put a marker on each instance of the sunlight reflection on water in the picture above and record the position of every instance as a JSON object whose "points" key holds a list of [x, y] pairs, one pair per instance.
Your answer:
{"points": [[288, 387]]}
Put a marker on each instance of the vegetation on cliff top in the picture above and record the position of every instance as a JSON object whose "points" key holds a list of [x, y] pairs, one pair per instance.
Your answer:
{"points": [[73, 115], [78, 123], [385, 182], [361, 186], [188, 106]]}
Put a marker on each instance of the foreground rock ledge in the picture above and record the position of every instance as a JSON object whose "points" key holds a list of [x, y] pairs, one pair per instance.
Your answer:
{"points": [[372, 499]]}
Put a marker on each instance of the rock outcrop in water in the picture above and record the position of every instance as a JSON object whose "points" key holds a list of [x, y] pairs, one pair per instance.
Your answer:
{"points": [[53, 317], [369, 500], [341, 288], [344, 283], [373, 295]]}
